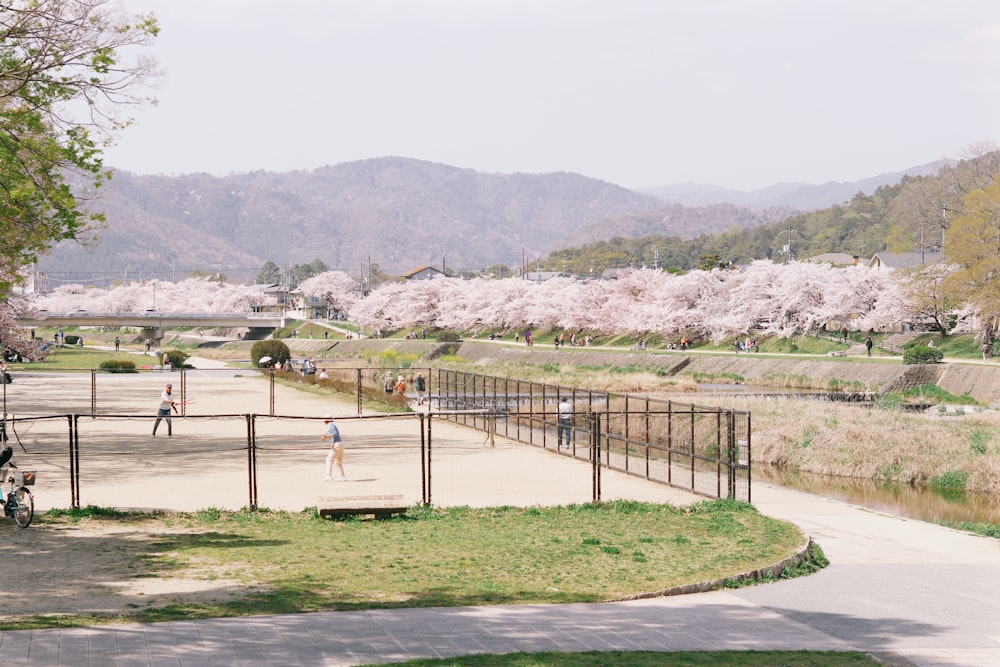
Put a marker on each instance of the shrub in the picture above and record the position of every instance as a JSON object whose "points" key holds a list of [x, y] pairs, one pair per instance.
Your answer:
{"points": [[118, 366], [922, 354], [275, 349], [177, 358], [71, 339], [448, 337], [954, 480]]}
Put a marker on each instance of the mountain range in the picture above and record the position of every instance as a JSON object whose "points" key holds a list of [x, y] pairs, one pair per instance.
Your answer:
{"points": [[399, 214]]}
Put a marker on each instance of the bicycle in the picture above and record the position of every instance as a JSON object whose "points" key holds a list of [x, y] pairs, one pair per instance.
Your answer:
{"points": [[18, 501]]}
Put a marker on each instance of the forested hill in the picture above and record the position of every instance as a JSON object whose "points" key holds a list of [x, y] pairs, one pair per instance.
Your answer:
{"points": [[397, 213], [861, 227]]}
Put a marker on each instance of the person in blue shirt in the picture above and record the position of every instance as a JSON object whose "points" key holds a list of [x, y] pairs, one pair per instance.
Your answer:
{"points": [[336, 455]]}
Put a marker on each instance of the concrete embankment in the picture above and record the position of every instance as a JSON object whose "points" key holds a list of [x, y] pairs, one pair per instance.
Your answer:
{"points": [[980, 381]]}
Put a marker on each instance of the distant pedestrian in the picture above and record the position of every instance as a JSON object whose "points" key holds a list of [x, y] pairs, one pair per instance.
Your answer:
{"points": [[868, 345], [336, 454], [565, 433], [118, 343], [420, 384], [987, 347], [167, 404], [844, 333], [166, 363]]}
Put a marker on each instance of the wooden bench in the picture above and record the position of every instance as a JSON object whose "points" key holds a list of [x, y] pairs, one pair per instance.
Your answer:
{"points": [[381, 507]]}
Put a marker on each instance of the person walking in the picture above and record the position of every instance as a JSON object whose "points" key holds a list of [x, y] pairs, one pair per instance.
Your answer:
{"points": [[118, 343], [336, 455], [420, 384], [565, 423], [868, 345], [167, 404]]}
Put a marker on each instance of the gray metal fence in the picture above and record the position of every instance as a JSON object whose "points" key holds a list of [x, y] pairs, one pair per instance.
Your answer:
{"points": [[701, 449]]}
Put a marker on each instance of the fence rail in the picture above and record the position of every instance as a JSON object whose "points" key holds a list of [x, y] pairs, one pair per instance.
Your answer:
{"points": [[701, 449]]}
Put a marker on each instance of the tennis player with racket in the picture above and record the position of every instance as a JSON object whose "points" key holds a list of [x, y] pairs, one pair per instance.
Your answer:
{"points": [[167, 403]]}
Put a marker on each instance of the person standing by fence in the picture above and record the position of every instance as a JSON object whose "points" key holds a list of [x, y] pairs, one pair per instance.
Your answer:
{"points": [[565, 423]]}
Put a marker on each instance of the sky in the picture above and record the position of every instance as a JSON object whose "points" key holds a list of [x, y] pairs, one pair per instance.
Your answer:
{"points": [[640, 93]]}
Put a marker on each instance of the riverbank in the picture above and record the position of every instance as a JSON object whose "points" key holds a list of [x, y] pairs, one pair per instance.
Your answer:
{"points": [[958, 377]]}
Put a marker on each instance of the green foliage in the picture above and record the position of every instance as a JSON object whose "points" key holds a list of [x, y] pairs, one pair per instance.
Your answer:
{"points": [[55, 60], [985, 529], [447, 337], [269, 274], [952, 480], [178, 359], [71, 339], [893, 401], [863, 223], [979, 441], [922, 354], [275, 349], [931, 393], [118, 366]]}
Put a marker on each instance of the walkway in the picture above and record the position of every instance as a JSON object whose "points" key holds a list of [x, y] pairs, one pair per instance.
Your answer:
{"points": [[913, 593]]}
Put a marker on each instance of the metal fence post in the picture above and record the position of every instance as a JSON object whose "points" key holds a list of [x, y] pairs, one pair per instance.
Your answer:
{"points": [[424, 433], [360, 391], [74, 461], [427, 501], [252, 457], [595, 456]]}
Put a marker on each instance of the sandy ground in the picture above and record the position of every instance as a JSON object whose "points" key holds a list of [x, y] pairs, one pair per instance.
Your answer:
{"points": [[88, 568]]}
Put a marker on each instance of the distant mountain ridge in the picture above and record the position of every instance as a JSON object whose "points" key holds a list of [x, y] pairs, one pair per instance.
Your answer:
{"points": [[802, 196], [399, 213]]}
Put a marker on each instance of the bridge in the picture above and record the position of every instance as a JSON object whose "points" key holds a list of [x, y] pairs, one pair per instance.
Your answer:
{"points": [[153, 323]]}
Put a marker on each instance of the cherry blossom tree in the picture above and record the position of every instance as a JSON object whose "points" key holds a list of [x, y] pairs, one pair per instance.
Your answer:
{"points": [[192, 295], [779, 299], [337, 288]]}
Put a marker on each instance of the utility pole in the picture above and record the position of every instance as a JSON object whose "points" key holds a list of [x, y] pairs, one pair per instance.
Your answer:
{"points": [[787, 249]]}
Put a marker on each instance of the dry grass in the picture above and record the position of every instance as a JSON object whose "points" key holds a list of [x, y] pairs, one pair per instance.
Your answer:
{"points": [[870, 443]]}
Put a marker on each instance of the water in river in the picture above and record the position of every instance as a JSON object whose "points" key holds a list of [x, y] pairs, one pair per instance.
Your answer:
{"points": [[908, 501]]}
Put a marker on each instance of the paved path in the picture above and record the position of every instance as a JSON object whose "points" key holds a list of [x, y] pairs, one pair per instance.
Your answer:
{"points": [[908, 591]]}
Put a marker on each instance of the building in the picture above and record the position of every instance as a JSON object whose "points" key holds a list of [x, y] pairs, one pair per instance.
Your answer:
{"points": [[423, 273], [893, 261]]}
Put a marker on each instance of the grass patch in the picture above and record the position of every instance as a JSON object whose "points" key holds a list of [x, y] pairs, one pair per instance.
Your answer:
{"points": [[952, 480], [653, 659], [984, 529], [299, 562], [931, 393], [78, 359]]}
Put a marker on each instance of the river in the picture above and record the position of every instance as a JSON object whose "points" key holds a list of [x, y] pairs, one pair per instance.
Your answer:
{"points": [[916, 503]]}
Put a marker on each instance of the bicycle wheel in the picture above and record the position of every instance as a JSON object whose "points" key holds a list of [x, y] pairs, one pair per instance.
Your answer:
{"points": [[24, 509]]}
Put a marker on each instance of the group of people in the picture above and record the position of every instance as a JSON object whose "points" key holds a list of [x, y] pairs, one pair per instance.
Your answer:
{"points": [[334, 458], [397, 385], [747, 345]]}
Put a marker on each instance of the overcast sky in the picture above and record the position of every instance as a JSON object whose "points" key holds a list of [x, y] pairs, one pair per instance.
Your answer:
{"points": [[741, 93]]}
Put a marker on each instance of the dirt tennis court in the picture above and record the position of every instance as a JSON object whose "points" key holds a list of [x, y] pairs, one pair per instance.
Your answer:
{"points": [[204, 464], [89, 567]]}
